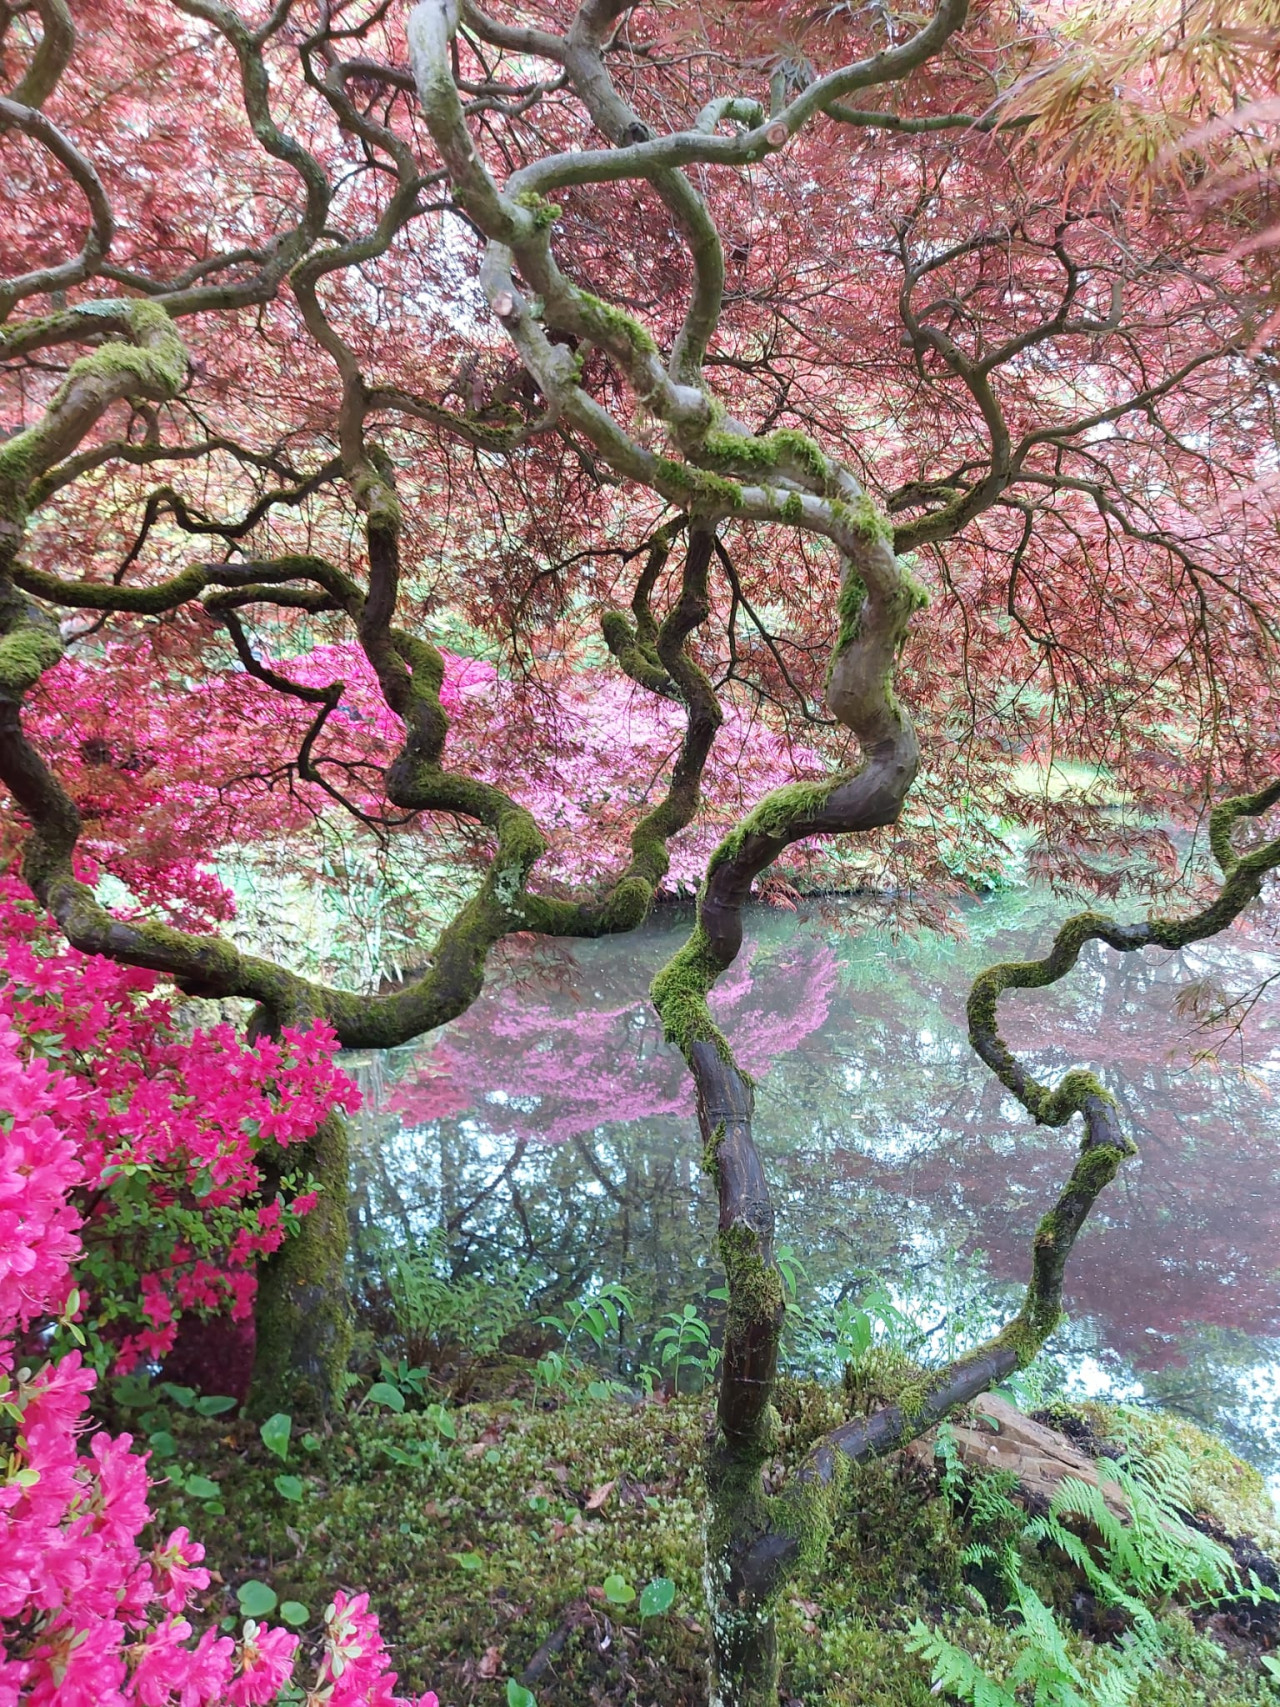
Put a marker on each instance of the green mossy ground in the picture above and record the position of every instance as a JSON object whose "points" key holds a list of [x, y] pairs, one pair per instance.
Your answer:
{"points": [[479, 1553]]}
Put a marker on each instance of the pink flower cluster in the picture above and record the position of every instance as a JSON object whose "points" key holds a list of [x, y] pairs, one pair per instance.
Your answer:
{"points": [[91, 1616], [148, 1115]]}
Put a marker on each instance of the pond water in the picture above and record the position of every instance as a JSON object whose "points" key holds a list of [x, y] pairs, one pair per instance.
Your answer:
{"points": [[550, 1130]]}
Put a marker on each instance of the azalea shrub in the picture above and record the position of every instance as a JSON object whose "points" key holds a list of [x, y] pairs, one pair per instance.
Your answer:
{"points": [[168, 1132], [125, 1150]]}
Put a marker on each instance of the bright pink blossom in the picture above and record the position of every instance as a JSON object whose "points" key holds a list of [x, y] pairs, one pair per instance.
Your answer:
{"points": [[266, 1662], [88, 1616], [177, 1570]]}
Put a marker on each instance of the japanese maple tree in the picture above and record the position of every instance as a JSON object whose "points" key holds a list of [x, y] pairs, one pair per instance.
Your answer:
{"points": [[827, 375]]}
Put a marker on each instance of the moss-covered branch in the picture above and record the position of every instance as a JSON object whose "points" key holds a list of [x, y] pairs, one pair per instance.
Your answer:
{"points": [[1242, 879], [803, 1510], [658, 657], [153, 365], [189, 584], [877, 601]]}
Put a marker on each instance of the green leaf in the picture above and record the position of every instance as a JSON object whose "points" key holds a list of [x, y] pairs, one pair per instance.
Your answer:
{"points": [[617, 1590], [383, 1393], [201, 1488], [289, 1487], [311, 1442], [162, 1443], [275, 1434], [294, 1612], [214, 1404], [444, 1423], [256, 1599], [657, 1597], [518, 1695], [131, 1391], [469, 1561], [182, 1396]]}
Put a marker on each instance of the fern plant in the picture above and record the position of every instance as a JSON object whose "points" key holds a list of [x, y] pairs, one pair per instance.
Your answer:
{"points": [[1135, 1564], [435, 1311]]}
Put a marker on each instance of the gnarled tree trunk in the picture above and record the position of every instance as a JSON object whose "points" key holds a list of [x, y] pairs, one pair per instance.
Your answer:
{"points": [[302, 1316]]}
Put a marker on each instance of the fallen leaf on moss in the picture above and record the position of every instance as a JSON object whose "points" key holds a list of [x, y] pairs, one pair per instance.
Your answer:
{"points": [[491, 1664]]}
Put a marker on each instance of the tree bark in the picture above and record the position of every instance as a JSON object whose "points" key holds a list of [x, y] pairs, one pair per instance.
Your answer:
{"points": [[303, 1310]]}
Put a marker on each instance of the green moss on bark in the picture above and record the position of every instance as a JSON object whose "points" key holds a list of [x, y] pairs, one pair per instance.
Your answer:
{"points": [[611, 325], [711, 1154], [810, 1512], [852, 597], [755, 1286], [544, 212], [24, 657], [764, 454], [696, 489], [302, 1314], [775, 815], [679, 993]]}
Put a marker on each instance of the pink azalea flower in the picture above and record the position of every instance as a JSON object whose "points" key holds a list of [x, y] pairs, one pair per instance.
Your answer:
{"points": [[266, 1662], [178, 1570]]}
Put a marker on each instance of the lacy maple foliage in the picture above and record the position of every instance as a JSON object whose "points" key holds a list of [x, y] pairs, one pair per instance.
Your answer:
{"points": [[1045, 386], [212, 768]]}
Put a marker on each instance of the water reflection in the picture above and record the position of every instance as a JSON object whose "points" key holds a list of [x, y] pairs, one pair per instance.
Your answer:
{"points": [[550, 1125]]}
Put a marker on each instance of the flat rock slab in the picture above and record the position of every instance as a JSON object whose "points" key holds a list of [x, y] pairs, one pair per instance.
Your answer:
{"points": [[1001, 1438]]}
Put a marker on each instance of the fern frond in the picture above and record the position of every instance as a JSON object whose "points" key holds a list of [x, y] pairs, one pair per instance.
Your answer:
{"points": [[955, 1672]]}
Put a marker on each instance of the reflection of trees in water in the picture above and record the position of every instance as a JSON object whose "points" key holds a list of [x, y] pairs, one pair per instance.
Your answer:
{"points": [[584, 1211], [551, 1125], [1189, 1232]]}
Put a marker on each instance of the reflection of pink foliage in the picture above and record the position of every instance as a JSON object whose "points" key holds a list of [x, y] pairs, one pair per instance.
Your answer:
{"points": [[560, 1074]]}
